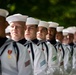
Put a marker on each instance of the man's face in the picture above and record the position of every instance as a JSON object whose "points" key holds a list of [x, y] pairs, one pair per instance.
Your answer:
{"points": [[51, 33], [65, 40], [59, 36], [2, 26], [17, 30], [70, 38], [42, 32], [30, 32]]}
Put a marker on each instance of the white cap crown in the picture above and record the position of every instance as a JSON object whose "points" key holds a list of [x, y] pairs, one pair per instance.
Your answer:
{"points": [[31, 21], [16, 17], [3, 12], [43, 24], [60, 29], [65, 32], [71, 30], [53, 24]]}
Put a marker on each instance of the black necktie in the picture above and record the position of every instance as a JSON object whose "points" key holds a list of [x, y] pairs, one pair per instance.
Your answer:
{"points": [[29, 44], [32, 50]]}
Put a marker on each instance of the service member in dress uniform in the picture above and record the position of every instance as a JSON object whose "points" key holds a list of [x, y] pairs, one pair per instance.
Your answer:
{"points": [[67, 58], [47, 47], [14, 57], [36, 53], [17, 27], [58, 45]]}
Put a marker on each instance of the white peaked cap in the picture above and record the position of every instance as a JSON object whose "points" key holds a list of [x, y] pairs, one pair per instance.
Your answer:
{"points": [[53, 24], [65, 32], [74, 29], [43, 24], [7, 30], [32, 21], [60, 29], [16, 17], [70, 30], [3, 12]]}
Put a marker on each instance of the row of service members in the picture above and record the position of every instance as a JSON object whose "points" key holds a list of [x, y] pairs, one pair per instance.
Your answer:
{"points": [[39, 64], [14, 57], [30, 25], [54, 57], [30, 34]]}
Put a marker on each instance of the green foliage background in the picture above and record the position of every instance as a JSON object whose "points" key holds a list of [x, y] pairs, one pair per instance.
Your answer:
{"points": [[61, 11]]}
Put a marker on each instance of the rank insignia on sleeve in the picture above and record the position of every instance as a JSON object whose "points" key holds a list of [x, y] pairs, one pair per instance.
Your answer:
{"points": [[27, 63], [54, 58], [42, 63], [9, 53]]}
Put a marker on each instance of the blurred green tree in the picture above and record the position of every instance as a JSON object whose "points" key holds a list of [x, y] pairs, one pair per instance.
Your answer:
{"points": [[61, 11]]}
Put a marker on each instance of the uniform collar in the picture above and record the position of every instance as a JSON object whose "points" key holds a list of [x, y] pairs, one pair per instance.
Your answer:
{"points": [[35, 41], [22, 41], [71, 44], [52, 41]]}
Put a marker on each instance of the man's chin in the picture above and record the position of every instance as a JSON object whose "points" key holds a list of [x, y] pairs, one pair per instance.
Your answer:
{"points": [[28, 39], [15, 39]]}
